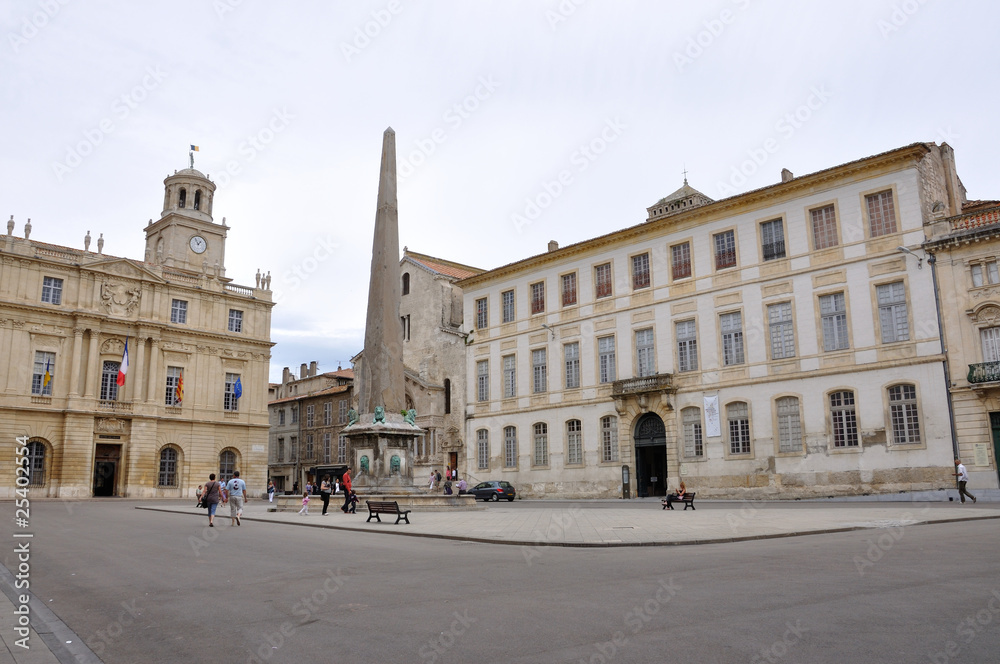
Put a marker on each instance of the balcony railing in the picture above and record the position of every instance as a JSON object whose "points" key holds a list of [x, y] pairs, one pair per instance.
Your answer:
{"points": [[654, 383], [114, 406], [986, 372], [240, 290]]}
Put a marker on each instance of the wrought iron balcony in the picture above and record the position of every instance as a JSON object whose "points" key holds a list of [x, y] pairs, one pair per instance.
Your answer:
{"points": [[654, 383], [986, 372]]}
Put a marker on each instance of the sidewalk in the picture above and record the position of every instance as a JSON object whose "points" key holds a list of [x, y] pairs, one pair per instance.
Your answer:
{"points": [[544, 523]]}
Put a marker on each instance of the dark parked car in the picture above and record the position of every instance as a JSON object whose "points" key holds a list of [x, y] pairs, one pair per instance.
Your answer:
{"points": [[493, 491]]}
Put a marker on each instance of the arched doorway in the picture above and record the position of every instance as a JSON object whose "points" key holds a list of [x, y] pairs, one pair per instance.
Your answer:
{"points": [[650, 438]]}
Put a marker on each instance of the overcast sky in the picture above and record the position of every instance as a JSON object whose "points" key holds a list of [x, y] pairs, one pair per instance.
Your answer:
{"points": [[517, 122]]}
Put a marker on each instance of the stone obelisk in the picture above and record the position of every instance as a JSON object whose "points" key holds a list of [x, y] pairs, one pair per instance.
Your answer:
{"points": [[382, 367]]}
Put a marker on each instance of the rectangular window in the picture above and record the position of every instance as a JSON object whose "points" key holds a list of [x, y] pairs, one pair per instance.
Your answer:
{"points": [[109, 381], [538, 298], [281, 450], [833, 312], [235, 320], [483, 449], [680, 261], [789, 425], [772, 240], [168, 467], [44, 372], [293, 448], [731, 326], [179, 312], [609, 439], [892, 314], [327, 451], [173, 396], [606, 359], [510, 447], [571, 356], [645, 357], [991, 272], [687, 346], [539, 371], [977, 276], [640, 271], [328, 414], [881, 214], [541, 457], [309, 446], [295, 414], [310, 412], [844, 419], [52, 290], [574, 443], [482, 314], [281, 417], [342, 411], [738, 416], [903, 412], [824, 227], [230, 401], [507, 300], [509, 376], [602, 281], [342, 449], [725, 249], [779, 320], [569, 289], [991, 344], [693, 444], [483, 380]]}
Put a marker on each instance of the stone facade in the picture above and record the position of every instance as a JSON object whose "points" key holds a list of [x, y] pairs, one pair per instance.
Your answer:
{"points": [[68, 313], [964, 246], [775, 344]]}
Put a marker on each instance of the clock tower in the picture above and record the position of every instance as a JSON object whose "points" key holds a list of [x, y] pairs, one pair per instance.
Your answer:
{"points": [[185, 236]]}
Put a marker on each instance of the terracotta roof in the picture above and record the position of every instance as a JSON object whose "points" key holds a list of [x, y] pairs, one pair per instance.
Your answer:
{"points": [[442, 266], [972, 206], [336, 389]]}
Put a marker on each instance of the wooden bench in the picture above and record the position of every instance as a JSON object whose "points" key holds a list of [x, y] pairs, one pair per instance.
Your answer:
{"points": [[688, 501], [376, 507]]}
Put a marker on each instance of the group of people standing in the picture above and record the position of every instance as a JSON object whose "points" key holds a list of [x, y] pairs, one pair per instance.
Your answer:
{"points": [[233, 492], [450, 474], [329, 487]]}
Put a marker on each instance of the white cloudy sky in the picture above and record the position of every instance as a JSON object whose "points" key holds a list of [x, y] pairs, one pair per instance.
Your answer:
{"points": [[490, 102]]}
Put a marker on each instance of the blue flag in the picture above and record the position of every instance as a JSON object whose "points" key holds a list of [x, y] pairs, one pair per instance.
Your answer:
{"points": [[238, 388]]}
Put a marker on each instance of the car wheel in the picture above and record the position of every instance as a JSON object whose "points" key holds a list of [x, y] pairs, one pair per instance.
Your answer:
{"points": [[494, 497], [510, 500]]}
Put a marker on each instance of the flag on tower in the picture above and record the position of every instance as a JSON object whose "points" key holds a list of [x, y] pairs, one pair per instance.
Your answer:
{"points": [[48, 375], [238, 388], [194, 148], [123, 368], [179, 392]]}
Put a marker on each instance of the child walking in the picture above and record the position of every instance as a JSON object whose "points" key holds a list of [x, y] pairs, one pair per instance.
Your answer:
{"points": [[354, 503], [305, 504]]}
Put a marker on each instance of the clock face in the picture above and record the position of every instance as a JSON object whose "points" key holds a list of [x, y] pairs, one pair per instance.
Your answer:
{"points": [[198, 244]]}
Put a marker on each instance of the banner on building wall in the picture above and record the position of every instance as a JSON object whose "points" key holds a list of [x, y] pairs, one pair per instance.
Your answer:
{"points": [[712, 427]]}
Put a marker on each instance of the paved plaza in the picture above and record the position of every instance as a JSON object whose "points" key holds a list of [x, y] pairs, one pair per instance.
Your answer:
{"points": [[568, 581]]}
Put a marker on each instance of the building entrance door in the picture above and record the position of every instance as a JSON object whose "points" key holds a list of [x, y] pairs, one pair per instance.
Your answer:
{"points": [[106, 459], [453, 461], [995, 430], [650, 440]]}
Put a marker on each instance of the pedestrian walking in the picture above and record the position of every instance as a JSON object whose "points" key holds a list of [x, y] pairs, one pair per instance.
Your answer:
{"points": [[433, 476], [354, 503], [237, 491], [963, 478], [336, 485], [305, 504], [324, 493], [309, 488], [212, 498], [347, 489], [270, 491], [197, 494], [463, 487]]}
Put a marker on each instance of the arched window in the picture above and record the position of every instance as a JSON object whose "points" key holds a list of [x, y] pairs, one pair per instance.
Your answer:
{"points": [[182, 198], [168, 467], [197, 200], [738, 416], [844, 419], [36, 463], [406, 283], [364, 464], [447, 396], [691, 422], [541, 457], [510, 447], [394, 465], [574, 442], [789, 425], [609, 439], [903, 414], [483, 449], [227, 465]]}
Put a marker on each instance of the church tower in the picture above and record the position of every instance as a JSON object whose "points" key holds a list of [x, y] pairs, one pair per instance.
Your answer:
{"points": [[185, 236]]}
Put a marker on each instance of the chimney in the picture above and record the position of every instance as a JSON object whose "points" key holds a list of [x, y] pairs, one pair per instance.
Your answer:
{"points": [[286, 376], [786, 175], [553, 245], [956, 192], [312, 368], [303, 370]]}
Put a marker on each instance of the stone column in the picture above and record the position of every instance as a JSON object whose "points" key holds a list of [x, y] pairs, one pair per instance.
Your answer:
{"points": [[93, 366], [140, 366], [154, 366], [5, 347], [77, 361]]}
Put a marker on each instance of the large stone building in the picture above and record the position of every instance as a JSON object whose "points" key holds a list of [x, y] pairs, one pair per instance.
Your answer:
{"points": [[194, 396], [964, 246], [779, 343]]}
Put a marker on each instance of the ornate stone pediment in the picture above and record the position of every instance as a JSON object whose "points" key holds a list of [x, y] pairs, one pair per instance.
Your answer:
{"points": [[986, 315], [120, 298], [109, 425], [126, 269], [113, 346]]}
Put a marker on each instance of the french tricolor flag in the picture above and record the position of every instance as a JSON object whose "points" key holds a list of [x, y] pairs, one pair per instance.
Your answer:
{"points": [[123, 369]]}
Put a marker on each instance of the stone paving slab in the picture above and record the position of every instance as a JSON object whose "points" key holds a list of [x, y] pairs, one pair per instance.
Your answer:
{"points": [[567, 524]]}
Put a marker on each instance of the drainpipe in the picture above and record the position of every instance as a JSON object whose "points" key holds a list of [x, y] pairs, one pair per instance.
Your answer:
{"points": [[932, 260]]}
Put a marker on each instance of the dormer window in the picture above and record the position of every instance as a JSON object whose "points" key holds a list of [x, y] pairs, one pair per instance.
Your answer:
{"points": [[197, 200], [182, 199]]}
